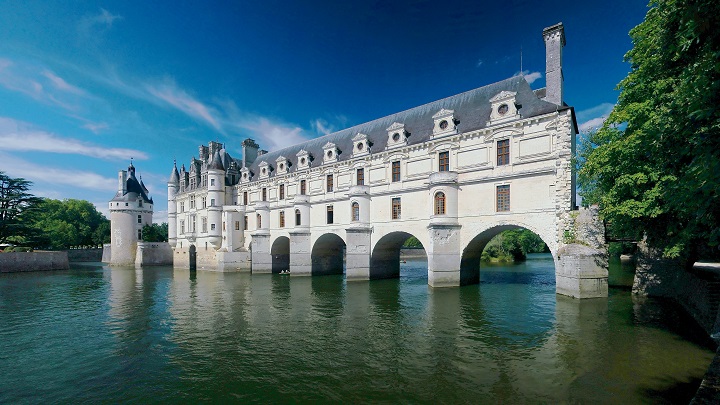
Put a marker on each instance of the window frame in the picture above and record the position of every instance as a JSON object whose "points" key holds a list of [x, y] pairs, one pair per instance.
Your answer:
{"points": [[444, 161], [355, 211], [282, 218], [440, 202], [396, 208], [503, 152], [329, 183], [502, 198], [360, 176], [395, 171]]}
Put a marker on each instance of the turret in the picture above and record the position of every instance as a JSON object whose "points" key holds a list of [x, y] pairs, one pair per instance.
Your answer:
{"points": [[216, 198], [173, 187]]}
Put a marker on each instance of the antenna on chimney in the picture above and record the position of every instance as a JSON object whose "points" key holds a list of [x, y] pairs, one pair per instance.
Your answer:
{"points": [[521, 71]]}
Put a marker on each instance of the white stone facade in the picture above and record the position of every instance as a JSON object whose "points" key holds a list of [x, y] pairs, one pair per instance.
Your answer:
{"points": [[453, 173]]}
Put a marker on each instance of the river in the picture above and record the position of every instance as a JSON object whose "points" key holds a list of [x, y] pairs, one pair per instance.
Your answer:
{"points": [[101, 334]]}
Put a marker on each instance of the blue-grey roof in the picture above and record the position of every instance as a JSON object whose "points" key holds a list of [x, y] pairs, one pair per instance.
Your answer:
{"points": [[471, 110]]}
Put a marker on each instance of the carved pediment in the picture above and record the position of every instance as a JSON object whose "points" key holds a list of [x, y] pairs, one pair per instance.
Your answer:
{"points": [[503, 95]]}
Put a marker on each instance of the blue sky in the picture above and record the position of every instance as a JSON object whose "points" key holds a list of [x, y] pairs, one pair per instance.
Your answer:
{"points": [[86, 85]]}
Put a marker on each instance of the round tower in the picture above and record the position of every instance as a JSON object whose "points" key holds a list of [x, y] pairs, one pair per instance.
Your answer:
{"points": [[130, 210], [173, 186], [216, 199]]}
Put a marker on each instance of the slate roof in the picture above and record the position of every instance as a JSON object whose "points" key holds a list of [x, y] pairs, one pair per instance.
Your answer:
{"points": [[471, 109], [134, 189]]}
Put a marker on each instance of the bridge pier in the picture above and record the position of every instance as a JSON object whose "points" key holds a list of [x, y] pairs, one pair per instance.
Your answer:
{"points": [[357, 253], [443, 255], [261, 257], [300, 249]]}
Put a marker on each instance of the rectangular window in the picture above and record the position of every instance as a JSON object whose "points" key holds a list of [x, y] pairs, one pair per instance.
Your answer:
{"points": [[212, 227], [139, 219], [204, 202], [282, 219], [329, 214], [212, 202], [182, 206], [258, 220], [396, 171], [237, 225], [282, 191], [192, 202], [503, 152], [329, 182], [224, 227], [182, 227], [396, 208], [503, 198], [246, 223], [193, 223], [245, 198], [303, 187], [139, 234], [264, 194], [212, 182], [444, 161], [140, 203], [204, 224], [360, 177]]}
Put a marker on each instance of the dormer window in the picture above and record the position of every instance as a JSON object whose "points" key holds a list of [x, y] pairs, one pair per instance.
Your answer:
{"points": [[361, 145], [503, 108], [245, 175], [265, 170], [282, 165], [330, 153], [304, 159], [444, 123], [397, 136]]}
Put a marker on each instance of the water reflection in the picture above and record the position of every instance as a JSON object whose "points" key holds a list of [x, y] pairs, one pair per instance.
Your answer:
{"points": [[170, 335]]}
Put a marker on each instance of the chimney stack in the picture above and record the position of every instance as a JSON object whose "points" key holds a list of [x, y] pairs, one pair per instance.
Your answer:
{"points": [[554, 37]]}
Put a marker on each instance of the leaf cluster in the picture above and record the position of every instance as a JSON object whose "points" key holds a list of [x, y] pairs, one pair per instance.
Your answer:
{"points": [[654, 166]]}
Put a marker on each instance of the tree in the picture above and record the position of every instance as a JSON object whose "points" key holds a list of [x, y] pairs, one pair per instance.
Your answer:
{"points": [[15, 204], [155, 232], [654, 166], [63, 224]]}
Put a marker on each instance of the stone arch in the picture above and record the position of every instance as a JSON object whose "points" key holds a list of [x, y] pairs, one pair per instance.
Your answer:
{"points": [[328, 255], [472, 251], [280, 253], [385, 258]]}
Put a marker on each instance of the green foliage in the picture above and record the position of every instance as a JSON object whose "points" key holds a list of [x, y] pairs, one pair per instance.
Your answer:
{"points": [[15, 204], [412, 242], [62, 224], [654, 166], [155, 232], [513, 246]]}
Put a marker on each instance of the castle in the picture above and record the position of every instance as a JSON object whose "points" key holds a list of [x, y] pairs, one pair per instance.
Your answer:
{"points": [[452, 173]]}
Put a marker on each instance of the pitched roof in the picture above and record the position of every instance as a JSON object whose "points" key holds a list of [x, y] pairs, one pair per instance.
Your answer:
{"points": [[471, 109]]}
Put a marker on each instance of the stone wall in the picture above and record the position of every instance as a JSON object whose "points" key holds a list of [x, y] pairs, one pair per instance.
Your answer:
{"points": [[85, 255], [12, 262], [153, 254]]}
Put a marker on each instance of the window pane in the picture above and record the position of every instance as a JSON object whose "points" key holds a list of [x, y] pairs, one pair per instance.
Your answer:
{"points": [[503, 198], [396, 208], [503, 152], [395, 171], [444, 161]]}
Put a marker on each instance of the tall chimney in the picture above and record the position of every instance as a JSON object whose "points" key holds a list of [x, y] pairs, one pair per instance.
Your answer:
{"points": [[122, 182], [554, 37]]}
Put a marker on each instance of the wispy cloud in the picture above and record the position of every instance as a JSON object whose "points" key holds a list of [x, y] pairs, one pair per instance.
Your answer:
{"points": [[36, 173], [40, 84], [96, 127], [61, 84], [171, 94], [19, 136], [530, 77], [479, 62], [322, 127], [594, 117]]}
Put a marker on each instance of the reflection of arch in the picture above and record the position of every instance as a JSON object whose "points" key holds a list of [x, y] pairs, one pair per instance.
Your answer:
{"points": [[471, 254], [385, 258], [328, 255], [280, 252]]}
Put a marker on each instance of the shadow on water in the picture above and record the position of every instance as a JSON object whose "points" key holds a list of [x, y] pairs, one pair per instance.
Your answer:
{"points": [[673, 392]]}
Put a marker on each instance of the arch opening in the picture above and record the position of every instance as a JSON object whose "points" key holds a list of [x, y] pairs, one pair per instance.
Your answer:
{"points": [[328, 255], [497, 245], [385, 261], [280, 252]]}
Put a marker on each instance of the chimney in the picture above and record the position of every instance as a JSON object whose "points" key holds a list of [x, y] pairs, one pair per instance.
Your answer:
{"points": [[554, 37], [122, 182], [250, 152]]}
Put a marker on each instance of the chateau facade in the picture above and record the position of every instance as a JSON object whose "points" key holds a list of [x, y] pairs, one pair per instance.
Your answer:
{"points": [[453, 173]]}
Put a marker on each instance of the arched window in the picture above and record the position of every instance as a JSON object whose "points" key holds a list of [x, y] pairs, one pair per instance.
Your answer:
{"points": [[440, 203], [355, 211], [259, 221], [297, 217]]}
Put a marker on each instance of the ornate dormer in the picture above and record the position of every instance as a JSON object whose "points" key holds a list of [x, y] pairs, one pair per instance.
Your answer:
{"points": [[245, 175], [503, 108], [361, 145], [445, 123], [265, 169], [397, 136], [304, 159], [330, 153], [282, 165]]}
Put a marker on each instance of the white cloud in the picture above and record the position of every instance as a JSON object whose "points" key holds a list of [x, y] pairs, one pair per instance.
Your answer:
{"points": [[322, 127], [16, 167], [61, 84], [594, 117], [479, 62], [96, 127], [171, 94], [20, 136], [530, 77], [39, 84]]}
